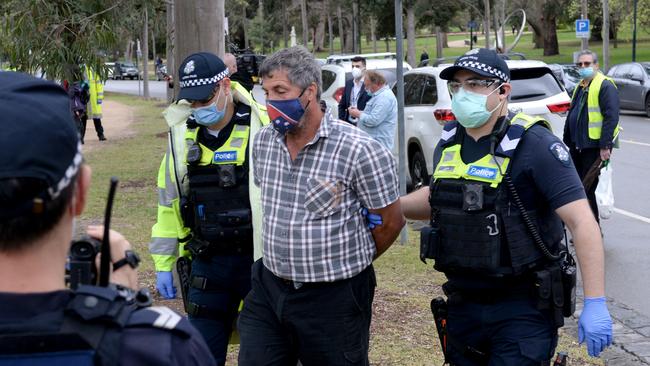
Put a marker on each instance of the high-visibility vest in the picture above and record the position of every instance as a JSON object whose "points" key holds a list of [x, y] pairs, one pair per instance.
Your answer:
{"points": [[96, 92], [593, 107]]}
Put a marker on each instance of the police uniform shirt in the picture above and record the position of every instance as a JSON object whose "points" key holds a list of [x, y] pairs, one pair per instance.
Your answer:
{"points": [[543, 174], [141, 344]]}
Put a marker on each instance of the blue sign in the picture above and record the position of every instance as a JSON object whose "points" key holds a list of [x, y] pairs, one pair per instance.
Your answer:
{"points": [[482, 172], [472, 25], [224, 156], [582, 28]]}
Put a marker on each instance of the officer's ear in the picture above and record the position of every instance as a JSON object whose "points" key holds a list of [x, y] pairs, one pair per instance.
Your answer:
{"points": [[225, 85], [504, 91], [81, 190]]}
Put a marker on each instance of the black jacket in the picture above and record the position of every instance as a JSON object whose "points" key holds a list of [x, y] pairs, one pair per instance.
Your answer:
{"points": [[347, 95], [576, 130]]}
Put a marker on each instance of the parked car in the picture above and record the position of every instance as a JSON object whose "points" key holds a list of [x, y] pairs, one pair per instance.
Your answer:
{"points": [[567, 75], [633, 82], [126, 70], [110, 66], [334, 75], [427, 107]]}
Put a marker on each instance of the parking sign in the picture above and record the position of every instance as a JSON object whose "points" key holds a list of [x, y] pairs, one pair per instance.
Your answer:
{"points": [[582, 28]]}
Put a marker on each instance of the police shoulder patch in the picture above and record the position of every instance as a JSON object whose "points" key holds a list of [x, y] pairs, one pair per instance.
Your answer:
{"points": [[560, 152]]}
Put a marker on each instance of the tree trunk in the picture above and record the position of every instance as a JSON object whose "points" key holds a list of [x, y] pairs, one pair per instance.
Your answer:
{"points": [[305, 26], [171, 66], [445, 40], [127, 51], [220, 29], [330, 27], [194, 17], [487, 23], [373, 33], [285, 31], [550, 36], [387, 44], [340, 21], [356, 32], [245, 21], [145, 54], [538, 37], [319, 33], [439, 43], [153, 44], [410, 33]]}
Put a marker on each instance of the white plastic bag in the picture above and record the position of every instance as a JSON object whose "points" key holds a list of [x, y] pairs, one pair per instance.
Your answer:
{"points": [[605, 192]]}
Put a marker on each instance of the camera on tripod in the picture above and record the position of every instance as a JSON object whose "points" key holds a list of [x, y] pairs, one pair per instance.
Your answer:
{"points": [[83, 253]]}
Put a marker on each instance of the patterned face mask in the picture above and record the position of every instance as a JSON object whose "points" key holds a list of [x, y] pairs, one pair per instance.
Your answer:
{"points": [[285, 115]]}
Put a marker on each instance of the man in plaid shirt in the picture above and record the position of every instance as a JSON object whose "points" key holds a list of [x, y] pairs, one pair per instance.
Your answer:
{"points": [[312, 292]]}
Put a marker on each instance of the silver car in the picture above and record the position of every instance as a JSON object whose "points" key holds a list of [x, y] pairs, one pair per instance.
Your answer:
{"points": [[633, 82]]}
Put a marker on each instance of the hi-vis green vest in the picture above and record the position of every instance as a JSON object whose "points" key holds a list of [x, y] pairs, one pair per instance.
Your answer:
{"points": [[473, 214], [96, 92], [485, 170], [169, 232], [233, 150], [593, 107]]}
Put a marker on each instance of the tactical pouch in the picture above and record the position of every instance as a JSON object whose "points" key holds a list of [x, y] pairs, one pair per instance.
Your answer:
{"points": [[197, 247], [234, 217], [543, 285], [227, 175], [187, 212], [429, 242], [569, 273]]}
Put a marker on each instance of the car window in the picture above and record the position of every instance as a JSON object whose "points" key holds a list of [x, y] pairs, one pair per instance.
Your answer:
{"points": [[429, 91], [622, 71], [646, 67], [328, 78], [636, 73], [612, 71], [412, 89], [532, 84]]}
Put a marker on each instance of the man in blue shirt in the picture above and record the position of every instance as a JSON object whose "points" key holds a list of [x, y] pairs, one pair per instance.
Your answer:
{"points": [[379, 119]]}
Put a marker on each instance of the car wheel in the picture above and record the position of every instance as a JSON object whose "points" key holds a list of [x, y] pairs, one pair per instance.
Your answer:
{"points": [[419, 174], [647, 105]]}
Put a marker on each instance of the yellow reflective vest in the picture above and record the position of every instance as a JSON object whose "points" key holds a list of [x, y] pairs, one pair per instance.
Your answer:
{"points": [[593, 107], [169, 232], [96, 92]]}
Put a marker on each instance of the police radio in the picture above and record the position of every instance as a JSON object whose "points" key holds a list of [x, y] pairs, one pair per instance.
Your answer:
{"points": [[83, 252]]}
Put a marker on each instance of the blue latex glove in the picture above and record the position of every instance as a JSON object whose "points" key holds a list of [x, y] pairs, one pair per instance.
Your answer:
{"points": [[595, 325], [165, 285], [373, 220]]}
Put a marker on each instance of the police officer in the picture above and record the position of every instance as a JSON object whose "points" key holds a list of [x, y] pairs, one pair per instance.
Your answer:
{"points": [[591, 127], [96, 92], [43, 187], [205, 200], [492, 165]]}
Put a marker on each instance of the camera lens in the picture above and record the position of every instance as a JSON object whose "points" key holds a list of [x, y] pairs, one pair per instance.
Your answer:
{"points": [[82, 250]]}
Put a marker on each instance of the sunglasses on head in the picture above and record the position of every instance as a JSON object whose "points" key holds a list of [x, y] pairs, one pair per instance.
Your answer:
{"points": [[585, 64]]}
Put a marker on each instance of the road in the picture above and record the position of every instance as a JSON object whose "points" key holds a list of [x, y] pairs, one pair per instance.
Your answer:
{"points": [[627, 246], [627, 249]]}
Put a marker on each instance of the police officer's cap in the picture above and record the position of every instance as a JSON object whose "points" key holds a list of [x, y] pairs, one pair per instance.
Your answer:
{"points": [[199, 74], [39, 139], [482, 61]]}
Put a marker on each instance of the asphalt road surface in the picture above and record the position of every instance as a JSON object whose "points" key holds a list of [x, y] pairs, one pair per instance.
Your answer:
{"points": [[627, 231]]}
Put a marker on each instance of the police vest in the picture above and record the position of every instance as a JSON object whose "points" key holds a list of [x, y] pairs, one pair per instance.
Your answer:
{"points": [[219, 210], [91, 331], [480, 228], [593, 107]]}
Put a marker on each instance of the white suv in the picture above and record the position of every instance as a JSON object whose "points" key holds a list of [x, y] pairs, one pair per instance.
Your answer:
{"points": [[427, 107], [339, 69]]}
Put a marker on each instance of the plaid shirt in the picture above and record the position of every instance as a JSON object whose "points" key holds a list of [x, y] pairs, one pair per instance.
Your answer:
{"points": [[313, 230]]}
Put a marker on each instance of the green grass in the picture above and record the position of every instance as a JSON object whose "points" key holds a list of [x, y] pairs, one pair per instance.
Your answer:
{"points": [[402, 331]]}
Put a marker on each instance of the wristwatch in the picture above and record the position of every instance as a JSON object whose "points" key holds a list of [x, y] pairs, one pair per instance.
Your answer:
{"points": [[130, 257]]}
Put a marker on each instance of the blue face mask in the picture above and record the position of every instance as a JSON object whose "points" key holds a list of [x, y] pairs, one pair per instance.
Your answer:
{"points": [[285, 115], [470, 109], [370, 94], [210, 114], [586, 72]]}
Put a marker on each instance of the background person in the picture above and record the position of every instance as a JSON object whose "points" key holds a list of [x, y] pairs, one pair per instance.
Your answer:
{"points": [[379, 119], [354, 94]]}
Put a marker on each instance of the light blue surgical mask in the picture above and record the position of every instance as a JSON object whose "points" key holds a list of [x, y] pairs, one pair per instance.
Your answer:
{"points": [[370, 94], [586, 72], [470, 108], [210, 114]]}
